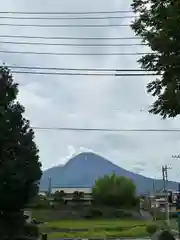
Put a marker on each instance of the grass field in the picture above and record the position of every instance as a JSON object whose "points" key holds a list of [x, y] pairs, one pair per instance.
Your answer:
{"points": [[56, 228], [95, 228], [132, 233]]}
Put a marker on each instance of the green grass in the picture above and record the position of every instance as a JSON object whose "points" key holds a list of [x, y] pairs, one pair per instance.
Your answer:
{"points": [[96, 228], [135, 232], [96, 223], [45, 215], [90, 228]]}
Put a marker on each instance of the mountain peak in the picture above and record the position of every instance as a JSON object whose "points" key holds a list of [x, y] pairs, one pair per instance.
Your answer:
{"points": [[91, 156], [87, 155]]}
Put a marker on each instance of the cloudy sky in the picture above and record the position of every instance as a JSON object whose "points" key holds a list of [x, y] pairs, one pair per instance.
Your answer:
{"points": [[88, 101]]}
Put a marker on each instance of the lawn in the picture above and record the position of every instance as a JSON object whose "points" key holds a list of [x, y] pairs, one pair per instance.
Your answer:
{"points": [[136, 232], [95, 228], [117, 228], [97, 223]]}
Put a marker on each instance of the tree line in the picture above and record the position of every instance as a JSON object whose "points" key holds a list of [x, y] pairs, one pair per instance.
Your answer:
{"points": [[110, 190]]}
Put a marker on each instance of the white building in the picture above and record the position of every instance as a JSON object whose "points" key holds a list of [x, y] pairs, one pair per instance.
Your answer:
{"points": [[72, 190]]}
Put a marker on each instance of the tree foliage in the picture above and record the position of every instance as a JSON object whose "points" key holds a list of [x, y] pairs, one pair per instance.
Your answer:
{"points": [[78, 196], [113, 190], [39, 202], [20, 169], [157, 23], [58, 196]]}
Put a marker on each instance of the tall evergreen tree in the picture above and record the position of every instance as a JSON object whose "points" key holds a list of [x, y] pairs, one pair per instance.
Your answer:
{"points": [[20, 169], [157, 23]]}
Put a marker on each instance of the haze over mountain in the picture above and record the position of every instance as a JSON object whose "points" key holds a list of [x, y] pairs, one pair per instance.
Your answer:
{"points": [[83, 169]]}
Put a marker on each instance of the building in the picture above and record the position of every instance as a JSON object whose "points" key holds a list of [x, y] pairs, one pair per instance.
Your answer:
{"points": [[70, 190], [69, 193], [158, 201]]}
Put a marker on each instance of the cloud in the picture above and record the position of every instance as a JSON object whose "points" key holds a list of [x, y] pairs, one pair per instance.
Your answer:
{"points": [[86, 101]]}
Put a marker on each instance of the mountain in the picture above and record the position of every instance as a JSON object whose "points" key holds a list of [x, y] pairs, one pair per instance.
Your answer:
{"points": [[83, 169]]}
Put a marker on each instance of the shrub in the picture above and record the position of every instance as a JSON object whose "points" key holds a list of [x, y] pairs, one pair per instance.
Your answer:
{"points": [[25, 238], [122, 214], [113, 229], [151, 229], [173, 215], [93, 213]]}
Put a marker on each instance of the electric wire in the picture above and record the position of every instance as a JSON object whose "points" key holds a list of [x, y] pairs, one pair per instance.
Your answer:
{"points": [[74, 53], [76, 69], [104, 129], [66, 13], [64, 25], [67, 18], [73, 44], [87, 74], [68, 37]]}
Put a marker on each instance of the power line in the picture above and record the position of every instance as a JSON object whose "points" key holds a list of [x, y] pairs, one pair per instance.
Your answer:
{"points": [[87, 74], [69, 37], [72, 53], [66, 18], [104, 129], [67, 13], [63, 25], [73, 44], [76, 69], [115, 72]]}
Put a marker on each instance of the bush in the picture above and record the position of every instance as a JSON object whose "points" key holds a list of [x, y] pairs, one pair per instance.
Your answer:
{"points": [[25, 238], [151, 229], [122, 214], [173, 215], [93, 213], [31, 230], [40, 202]]}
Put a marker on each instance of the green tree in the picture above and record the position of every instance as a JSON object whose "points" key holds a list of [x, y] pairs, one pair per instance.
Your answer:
{"points": [[81, 195], [157, 23], [59, 196], [113, 190], [78, 196], [20, 169], [39, 202]]}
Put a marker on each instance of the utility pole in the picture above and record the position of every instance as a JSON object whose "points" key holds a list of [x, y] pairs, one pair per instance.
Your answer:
{"points": [[178, 199], [165, 182], [49, 187], [154, 197]]}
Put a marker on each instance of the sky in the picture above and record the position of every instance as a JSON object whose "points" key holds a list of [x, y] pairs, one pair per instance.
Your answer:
{"points": [[88, 101]]}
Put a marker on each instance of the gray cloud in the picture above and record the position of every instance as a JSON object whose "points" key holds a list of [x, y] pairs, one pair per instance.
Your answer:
{"points": [[102, 102]]}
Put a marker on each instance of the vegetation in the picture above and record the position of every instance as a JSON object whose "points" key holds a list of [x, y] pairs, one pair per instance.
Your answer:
{"points": [[152, 228], [112, 196], [39, 202], [19, 159], [89, 212], [78, 196], [96, 228], [131, 233], [113, 190], [97, 223], [31, 230], [157, 23], [58, 196]]}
